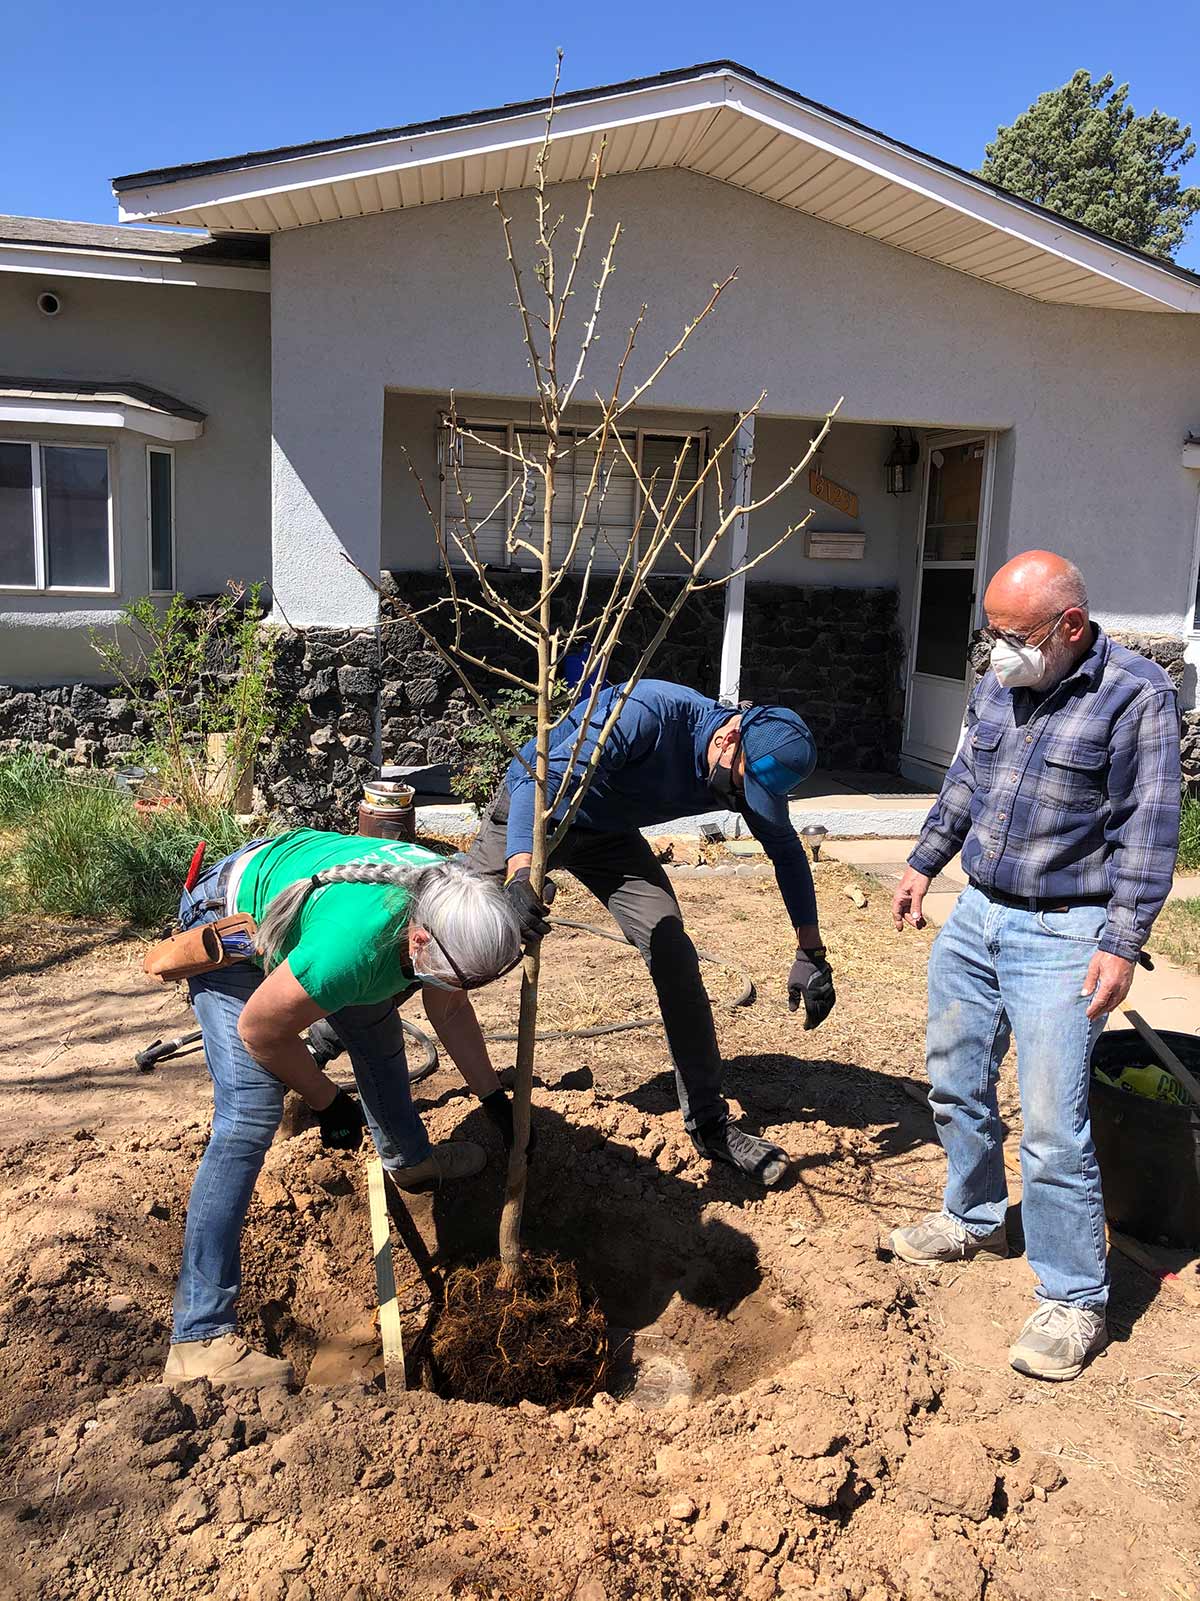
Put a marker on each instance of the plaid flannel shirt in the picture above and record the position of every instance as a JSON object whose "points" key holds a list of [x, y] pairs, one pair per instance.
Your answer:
{"points": [[1074, 793]]}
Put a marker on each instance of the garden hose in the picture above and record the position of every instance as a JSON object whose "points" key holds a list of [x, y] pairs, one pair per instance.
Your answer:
{"points": [[743, 997]]}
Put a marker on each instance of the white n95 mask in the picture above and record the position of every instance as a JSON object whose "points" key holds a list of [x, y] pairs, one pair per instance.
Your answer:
{"points": [[1018, 666]]}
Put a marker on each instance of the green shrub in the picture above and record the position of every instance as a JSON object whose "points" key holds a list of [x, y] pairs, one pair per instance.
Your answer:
{"points": [[1189, 834], [85, 852], [489, 744]]}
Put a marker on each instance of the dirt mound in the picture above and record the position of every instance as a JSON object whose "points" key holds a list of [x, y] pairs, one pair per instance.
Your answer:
{"points": [[790, 1413]]}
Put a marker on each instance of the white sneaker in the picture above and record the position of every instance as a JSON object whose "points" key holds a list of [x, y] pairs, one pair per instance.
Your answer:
{"points": [[1057, 1340]]}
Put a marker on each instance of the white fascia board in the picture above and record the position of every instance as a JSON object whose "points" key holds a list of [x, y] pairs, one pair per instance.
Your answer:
{"points": [[1191, 454], [100, 414], [959, 193], [170, 201], [127, 267]]}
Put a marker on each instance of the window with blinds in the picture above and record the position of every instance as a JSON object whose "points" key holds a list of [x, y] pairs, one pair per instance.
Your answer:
{"points": [[489, 490]]}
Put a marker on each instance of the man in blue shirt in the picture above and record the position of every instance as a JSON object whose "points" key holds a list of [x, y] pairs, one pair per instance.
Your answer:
{"points": [[672, 753], [1064, 796]]}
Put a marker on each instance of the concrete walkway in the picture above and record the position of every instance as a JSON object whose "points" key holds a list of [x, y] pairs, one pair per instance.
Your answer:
{"points": [[1168, 998], [847, 805]]}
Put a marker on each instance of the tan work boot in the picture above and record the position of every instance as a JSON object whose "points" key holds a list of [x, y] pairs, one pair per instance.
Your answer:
{"points": [[452, 1159], [227, 1359]]}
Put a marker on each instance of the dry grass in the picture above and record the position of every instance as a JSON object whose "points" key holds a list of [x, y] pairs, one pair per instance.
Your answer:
{"points": [[1177, 932]]}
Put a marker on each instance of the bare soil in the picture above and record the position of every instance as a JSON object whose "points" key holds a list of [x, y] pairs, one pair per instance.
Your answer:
{"points": [[791, 1411]]}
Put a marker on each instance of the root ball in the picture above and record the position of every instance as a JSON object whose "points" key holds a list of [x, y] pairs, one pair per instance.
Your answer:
{"points": [[544, 1340]]}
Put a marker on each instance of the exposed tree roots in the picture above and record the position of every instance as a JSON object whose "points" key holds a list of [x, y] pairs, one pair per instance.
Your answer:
{"points": [[544, 1340]]}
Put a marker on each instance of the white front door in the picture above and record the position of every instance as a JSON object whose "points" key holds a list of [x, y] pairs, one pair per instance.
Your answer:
{"points": [[946, 602]]}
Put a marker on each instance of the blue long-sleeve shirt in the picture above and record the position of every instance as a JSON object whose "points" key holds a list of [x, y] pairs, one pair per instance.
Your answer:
{"points": [[654, 767], [1074, 792]]}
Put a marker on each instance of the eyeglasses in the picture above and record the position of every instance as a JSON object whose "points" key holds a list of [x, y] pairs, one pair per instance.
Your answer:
{"points": [[1018, 641], [464, 982]]}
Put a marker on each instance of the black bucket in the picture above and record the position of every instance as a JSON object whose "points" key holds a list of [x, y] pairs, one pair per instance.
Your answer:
{"points": [[1149, 1151]]}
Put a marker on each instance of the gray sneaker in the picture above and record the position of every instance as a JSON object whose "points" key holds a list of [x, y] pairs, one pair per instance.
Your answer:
{"points": [[1057, 1340], [452, 1159], [723, 1141], [942, 1238]]}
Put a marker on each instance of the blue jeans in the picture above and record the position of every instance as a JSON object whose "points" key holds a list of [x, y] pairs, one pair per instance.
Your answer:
{"points": [[247, 1107], [997, 972]]}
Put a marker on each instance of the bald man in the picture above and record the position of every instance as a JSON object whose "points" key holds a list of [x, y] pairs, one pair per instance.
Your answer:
{"points": [[1064, 798]]}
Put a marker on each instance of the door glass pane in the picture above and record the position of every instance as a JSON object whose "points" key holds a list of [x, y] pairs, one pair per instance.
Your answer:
{"points": [[75, 504], [955, 492], [162, 567], [944, 625], [16, 515]]}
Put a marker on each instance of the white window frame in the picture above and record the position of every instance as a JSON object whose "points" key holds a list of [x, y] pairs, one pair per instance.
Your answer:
{"points": [[40, 586], [512, 428], [159, 450]]}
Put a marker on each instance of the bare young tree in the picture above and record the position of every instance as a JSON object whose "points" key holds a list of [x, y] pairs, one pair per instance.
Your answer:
{"points": [[612, 577]]}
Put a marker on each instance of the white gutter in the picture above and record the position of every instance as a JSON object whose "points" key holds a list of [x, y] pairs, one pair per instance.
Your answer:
{"points": [[101, 414], [127, 267], [184, 198]]}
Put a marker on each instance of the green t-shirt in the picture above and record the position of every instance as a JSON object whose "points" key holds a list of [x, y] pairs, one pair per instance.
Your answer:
{"points": [[342, 948]]}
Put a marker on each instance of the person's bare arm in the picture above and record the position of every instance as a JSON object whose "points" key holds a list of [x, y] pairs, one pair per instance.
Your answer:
{"points": [[454, 1021], [270, 1027]]}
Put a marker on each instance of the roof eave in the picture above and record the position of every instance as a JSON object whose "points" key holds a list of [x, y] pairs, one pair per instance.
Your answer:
{"points": [[199, 192]]}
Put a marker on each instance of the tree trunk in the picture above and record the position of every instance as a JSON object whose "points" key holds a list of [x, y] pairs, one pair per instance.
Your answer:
{"points": [[518, 1162]]}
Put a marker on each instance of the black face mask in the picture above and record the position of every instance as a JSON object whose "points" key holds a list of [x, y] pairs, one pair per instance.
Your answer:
{"points": [[720, 781]]}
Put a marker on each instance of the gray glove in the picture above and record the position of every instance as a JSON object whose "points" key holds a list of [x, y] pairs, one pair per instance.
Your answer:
{"points": [[811, 982]]}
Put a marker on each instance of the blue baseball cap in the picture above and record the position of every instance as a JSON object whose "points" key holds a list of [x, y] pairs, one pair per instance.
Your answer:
{"points": [[780, 754]]}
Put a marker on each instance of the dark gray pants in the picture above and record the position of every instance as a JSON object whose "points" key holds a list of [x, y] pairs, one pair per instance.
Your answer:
{"points": [[622, 871]]}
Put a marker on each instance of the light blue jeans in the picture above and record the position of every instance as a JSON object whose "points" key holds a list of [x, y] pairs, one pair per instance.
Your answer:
{"points": [[247, 1107], [997, 973]]}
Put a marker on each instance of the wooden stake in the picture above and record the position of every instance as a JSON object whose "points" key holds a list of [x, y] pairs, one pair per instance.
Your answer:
{"points": [[1165, 1054], [385, 1280]]}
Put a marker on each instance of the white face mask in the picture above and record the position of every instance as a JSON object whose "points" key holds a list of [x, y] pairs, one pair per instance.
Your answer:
{"points": [[1018, 666], [1024, 666]]}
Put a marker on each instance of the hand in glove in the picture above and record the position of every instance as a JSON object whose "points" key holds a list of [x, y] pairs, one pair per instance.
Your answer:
{"points": [[811, 981], [499, 1108], [530, 911], [341, 1123], [324, 1041]]}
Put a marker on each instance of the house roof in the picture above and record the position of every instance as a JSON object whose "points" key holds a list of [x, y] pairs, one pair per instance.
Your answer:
{"points": [[229, 251], [718, 119], [104, 403], [120, 393]]}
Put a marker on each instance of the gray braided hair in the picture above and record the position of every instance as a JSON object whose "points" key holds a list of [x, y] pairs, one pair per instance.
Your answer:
{"points": [[467, 914]]}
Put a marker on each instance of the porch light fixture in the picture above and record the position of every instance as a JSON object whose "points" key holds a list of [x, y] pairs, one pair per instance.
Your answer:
{"points": [[903, 457]]}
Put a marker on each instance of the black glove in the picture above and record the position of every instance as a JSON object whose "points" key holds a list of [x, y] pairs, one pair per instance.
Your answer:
{"points": [[499, 1108], [341, 1123], [323, 1041], [530, 911], [811, 981]]}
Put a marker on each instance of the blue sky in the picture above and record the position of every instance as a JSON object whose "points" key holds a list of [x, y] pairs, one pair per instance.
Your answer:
{"points": [[94, 90]]}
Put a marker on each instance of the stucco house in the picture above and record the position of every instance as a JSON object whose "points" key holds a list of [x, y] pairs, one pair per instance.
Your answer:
{"points": [[178, 408]]}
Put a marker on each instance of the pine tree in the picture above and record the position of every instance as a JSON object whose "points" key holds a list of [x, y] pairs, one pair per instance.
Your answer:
{"points": [[1081, 151]]}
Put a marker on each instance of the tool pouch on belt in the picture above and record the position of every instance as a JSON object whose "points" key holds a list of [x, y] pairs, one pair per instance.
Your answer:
{"points": [[201, 949]]}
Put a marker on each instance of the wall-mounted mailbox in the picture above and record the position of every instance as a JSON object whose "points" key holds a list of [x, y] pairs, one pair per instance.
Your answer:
{"points": [[834, 544]]}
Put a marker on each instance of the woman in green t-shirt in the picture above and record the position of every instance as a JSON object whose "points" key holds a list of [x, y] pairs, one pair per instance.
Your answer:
{"points": [[345, 926]]}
